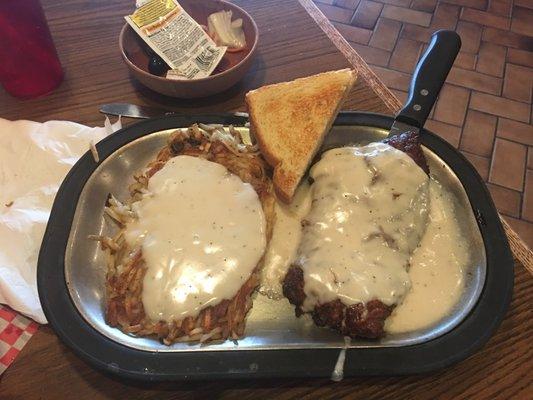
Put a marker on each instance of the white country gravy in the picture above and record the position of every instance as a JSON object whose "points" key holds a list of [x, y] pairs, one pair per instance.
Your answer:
{"points": [[202, 233], [437, 268], [369, 211], [286, 236]]}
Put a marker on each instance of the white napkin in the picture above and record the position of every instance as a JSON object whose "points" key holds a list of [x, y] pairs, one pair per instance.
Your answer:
{"points": [[34, 159]]}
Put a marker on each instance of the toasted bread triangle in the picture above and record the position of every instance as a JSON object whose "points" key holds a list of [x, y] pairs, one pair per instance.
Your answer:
{"points": [[291, 119]]}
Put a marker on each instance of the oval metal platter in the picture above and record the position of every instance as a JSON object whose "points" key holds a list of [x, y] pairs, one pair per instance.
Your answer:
{"points": [[71, 274]]}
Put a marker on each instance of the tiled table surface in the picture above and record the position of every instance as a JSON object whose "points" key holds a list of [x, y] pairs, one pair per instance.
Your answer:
{"points": [[485, 108]]}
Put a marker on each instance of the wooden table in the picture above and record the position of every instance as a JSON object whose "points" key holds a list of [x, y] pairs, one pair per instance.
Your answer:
{"points": [[296, 40]]}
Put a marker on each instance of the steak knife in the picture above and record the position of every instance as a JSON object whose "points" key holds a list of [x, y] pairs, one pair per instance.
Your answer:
{"points": [[426, 83], [133, 111], [142, 112]]}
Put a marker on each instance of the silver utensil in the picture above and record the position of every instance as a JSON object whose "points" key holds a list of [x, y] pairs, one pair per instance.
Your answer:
{"points": [[133, 110], [142, 112]]}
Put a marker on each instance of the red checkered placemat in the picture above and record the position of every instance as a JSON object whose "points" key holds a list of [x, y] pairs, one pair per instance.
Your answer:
{"points": [[15, 331]]}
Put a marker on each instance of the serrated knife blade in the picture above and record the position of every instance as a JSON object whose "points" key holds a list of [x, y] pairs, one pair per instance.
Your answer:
{"points": [[133, 110]]}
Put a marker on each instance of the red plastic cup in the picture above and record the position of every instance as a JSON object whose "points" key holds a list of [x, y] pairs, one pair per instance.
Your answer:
{"points": [[29, 66]]}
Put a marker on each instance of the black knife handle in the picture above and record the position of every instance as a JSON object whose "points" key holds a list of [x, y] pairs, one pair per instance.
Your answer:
{"points": [[429, 76]]}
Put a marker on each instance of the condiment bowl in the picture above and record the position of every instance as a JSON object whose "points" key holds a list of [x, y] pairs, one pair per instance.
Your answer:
{"points": [[231, 69]]}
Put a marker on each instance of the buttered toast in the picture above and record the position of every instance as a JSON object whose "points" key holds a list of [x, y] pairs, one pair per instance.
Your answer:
{"points": [[290, 120]]}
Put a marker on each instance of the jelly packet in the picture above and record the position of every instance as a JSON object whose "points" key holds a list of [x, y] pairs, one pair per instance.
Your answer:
{"points": [[177, 38]]}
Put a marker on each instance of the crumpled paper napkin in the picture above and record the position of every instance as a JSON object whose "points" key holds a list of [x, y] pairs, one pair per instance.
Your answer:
{"points": [[34, 159]]}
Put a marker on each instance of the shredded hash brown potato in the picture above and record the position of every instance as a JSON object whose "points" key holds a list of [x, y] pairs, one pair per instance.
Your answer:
{"points": [[126, 267]]}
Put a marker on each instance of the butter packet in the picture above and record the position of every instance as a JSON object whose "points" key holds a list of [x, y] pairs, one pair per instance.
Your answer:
{"points": [[177, 38]]}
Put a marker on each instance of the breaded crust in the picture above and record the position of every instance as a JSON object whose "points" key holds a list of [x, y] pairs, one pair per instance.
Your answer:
{"points": [[357, 320], [409, 143]]}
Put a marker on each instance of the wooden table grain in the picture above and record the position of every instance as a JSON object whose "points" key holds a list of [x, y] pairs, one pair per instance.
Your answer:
{"points": [[295, 41]]}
